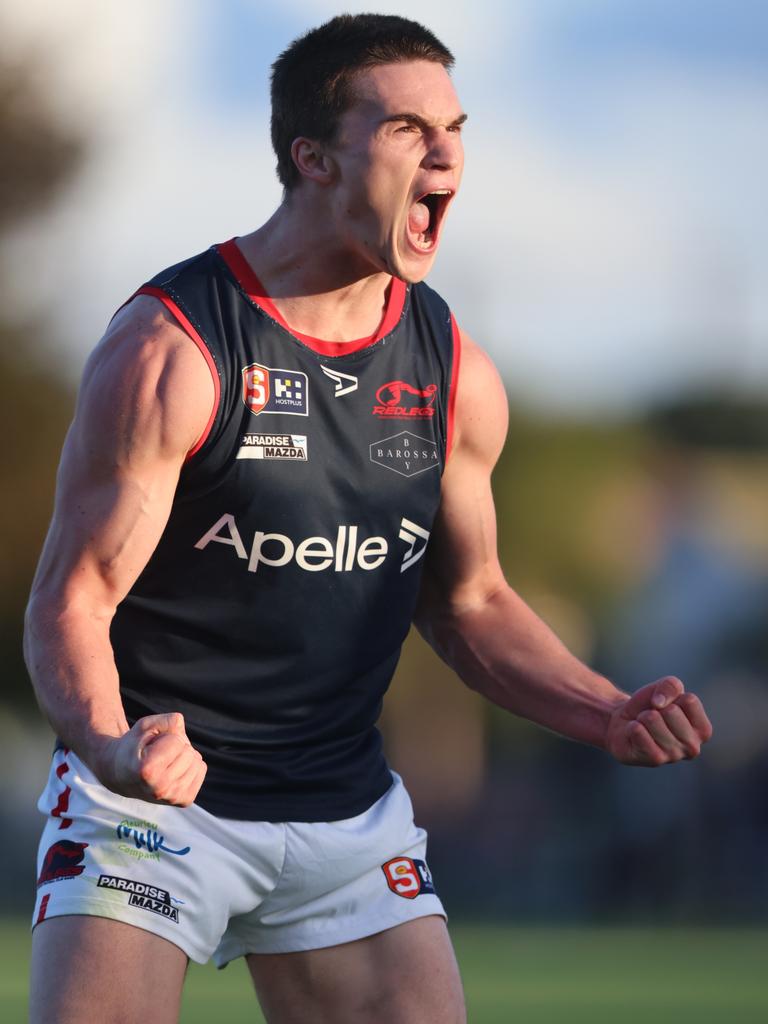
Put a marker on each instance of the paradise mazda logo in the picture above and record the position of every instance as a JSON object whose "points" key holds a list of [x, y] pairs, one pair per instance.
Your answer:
{"points": [[273, 446], [142, 895], [344, 553]]}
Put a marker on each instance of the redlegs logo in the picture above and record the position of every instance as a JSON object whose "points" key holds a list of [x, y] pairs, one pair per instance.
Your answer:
{"points": [[394, 405], [63, 860]]}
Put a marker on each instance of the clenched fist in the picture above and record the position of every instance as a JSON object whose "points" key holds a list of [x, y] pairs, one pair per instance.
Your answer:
{"points": [[657, 725], [153, 761]]}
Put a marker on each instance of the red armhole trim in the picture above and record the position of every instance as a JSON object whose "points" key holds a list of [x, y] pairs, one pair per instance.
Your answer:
{"points": [[184, 322], [453, 386]]}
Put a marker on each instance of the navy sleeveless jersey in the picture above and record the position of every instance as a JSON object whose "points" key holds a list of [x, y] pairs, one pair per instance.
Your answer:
{"points": [[273, 610]]}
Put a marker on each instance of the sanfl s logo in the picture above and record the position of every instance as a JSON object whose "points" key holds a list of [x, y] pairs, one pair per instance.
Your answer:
{"points": [[344, 383]]}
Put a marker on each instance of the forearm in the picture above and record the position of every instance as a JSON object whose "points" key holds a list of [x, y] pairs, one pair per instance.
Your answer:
{"points": [[72, 668], [502, 649]]}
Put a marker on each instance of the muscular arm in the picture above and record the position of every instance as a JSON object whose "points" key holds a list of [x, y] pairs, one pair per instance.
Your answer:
{"points": [[495, 642], [145, 399]]}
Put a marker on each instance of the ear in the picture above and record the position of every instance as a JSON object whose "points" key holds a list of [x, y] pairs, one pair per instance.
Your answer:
{"points": [[312, 161]]}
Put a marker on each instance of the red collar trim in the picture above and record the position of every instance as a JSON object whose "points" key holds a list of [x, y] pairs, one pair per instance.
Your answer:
{"points": [[231, 254]]}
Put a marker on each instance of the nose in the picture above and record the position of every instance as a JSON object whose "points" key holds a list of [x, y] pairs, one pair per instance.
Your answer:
{"points": [[445, 152]]}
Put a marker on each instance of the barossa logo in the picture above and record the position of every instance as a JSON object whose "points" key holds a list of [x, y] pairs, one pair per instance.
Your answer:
{"points": [[398, 400], [405, 453], [315, 554]]}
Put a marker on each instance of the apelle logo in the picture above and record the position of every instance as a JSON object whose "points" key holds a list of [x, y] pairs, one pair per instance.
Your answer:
{"points": [[344, 553]]}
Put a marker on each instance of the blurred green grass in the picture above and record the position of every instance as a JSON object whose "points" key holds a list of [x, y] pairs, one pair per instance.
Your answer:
{"points": [[535, 975]]}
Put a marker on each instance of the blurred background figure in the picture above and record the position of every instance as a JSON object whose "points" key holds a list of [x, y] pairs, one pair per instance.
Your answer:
{"points": [[611, 253]]}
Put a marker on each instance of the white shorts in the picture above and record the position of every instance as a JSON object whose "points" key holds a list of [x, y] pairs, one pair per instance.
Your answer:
{"points": [[222, 888]]}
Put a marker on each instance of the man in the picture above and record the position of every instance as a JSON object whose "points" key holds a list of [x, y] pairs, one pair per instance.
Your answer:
{"points": [[281, 456]]}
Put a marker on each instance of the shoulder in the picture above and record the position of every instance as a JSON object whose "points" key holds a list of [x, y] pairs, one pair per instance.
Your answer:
{"points": [[202, 264], [482, 414], [144, 338], [146, 369]]}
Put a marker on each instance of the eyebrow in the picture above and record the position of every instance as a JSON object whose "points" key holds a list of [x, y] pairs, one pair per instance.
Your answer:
{"points": [[419, 122]]}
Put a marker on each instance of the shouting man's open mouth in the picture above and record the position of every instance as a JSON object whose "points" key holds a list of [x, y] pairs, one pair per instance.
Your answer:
{"points": [[425, 218]]}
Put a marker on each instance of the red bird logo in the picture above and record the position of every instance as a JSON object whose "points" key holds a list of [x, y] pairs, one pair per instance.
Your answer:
{"points": [[390, 393]]}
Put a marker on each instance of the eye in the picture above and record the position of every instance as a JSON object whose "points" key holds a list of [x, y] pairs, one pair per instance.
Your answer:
{"points": [[407, 128]]}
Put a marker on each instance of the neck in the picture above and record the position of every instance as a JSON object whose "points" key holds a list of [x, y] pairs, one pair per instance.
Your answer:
{"points": [[319, 286]]}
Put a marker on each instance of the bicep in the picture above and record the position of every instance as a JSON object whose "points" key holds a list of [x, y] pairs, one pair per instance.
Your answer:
{"points": [[145, 397], [462, 566]]}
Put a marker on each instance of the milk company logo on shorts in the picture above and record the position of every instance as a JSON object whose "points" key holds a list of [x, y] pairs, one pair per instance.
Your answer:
{"points": [[267, 390], [398, 400], [287, 447], [145, 897], [142, 840], [408, 877], [405, 453], [62, 860]]}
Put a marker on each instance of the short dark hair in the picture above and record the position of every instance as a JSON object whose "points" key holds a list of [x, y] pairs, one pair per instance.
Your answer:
{"points": [[312, 80]]}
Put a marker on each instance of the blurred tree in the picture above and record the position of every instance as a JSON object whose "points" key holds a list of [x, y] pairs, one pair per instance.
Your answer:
{"points": [[567, 501], [36, 401], [38, 155], [714, 420]]}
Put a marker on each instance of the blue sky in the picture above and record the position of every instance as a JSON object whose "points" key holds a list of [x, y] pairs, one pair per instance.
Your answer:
{"points": [[610, 245]]}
